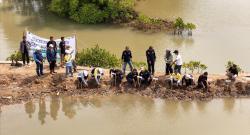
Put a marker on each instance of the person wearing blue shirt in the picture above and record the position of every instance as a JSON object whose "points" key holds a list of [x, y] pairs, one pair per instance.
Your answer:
{"points": [[38, 58], [51, 57]]}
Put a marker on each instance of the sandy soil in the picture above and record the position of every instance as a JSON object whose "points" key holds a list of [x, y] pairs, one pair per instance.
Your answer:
{"points": [[21, 84]]}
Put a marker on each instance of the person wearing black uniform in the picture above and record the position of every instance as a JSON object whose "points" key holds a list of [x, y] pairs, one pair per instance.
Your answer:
{"points": [[62, 49], [116, 76], [150, 53], [233, 72], [145, 77], [24, 49], [51, 41], [202, 81], [132, 77], [126, 57]]}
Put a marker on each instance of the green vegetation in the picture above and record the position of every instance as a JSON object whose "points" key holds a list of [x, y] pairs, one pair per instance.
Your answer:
{"points": [[97, 57], [231, 63], [180, 26], [94, 11], [114, 11], [15, 57], [194, 65]]}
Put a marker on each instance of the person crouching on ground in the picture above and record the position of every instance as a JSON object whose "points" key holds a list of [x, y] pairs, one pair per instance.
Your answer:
{"points": [[132, 77], [175, 79], [202, 81], [150, 53], [83, 78], [38, 58], [116, 76], [187, 80], [178, 62], [68, 63], [127, 59], [51, 57], [97, 73], [145, 77], [233, 72]]}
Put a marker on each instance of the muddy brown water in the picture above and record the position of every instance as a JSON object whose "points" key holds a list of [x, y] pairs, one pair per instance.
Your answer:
{"points": [[222, 34], [126, 115]]}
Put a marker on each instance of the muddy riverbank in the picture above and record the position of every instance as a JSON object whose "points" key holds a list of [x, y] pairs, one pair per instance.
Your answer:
{"points": [[21, 84]]}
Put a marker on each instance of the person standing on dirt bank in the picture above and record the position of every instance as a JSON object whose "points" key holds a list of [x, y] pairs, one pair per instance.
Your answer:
{"points": [[38, 58], [126, 57], [169, 62], [51, 57], [62, 50], [24, 49], [150, 53], [178, 62], [53, 43]]}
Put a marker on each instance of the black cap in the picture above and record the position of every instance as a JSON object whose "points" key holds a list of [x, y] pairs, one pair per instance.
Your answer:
{"points": [[176, 51]]}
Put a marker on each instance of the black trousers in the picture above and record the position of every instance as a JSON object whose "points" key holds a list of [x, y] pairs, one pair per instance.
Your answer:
{"points": [[151, 67], [178, 68], [169, 69], [25, 57], [52, 66]]}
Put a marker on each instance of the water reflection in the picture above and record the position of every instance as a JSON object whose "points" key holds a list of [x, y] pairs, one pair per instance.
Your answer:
{"points": [[42, 111], [54, 106], [30, 108], [68, 106], [229, 104]]}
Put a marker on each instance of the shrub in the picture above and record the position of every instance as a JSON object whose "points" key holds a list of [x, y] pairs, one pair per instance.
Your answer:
{"points": [[230, 64], [97, 57], [179, 23], [15, 57], [194, 65], [94, 11], [139, 64]]}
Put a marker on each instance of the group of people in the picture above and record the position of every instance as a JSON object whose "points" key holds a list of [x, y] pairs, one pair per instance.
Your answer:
{"points": [[134, 77], [66, 56]]}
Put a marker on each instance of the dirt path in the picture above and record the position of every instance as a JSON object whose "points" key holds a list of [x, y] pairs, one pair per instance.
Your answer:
{"points": [[21, 84]]}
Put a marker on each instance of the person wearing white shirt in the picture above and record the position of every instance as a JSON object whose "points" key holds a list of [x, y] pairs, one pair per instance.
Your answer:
{"points": [[178, 62]]}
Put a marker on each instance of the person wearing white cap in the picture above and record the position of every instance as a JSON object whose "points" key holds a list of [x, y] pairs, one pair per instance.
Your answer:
{"points": [[97, 73], [38, 58], [83, 78], [51, 57], [68, 63]]}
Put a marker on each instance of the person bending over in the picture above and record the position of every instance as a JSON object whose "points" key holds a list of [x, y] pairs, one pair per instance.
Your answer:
{"points": [[97, 73], [202, 81], [132, 77], [145, 77], [175, 79], [187, 80], [233, 72], [116, 76], [83, 77]]}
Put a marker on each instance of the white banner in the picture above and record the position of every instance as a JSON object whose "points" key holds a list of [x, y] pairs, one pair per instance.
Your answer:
{"points": [[35, 41]]}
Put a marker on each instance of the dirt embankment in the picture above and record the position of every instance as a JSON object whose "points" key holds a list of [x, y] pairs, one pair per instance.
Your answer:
{"points": [[21, 84]]}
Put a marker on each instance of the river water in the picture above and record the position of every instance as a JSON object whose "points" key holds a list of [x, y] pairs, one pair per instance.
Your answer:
{"points": [[126, 115], [222, 34]]}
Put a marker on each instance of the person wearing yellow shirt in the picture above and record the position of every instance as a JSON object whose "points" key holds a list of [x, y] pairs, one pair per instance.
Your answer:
{"points": [[175, 78]]}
